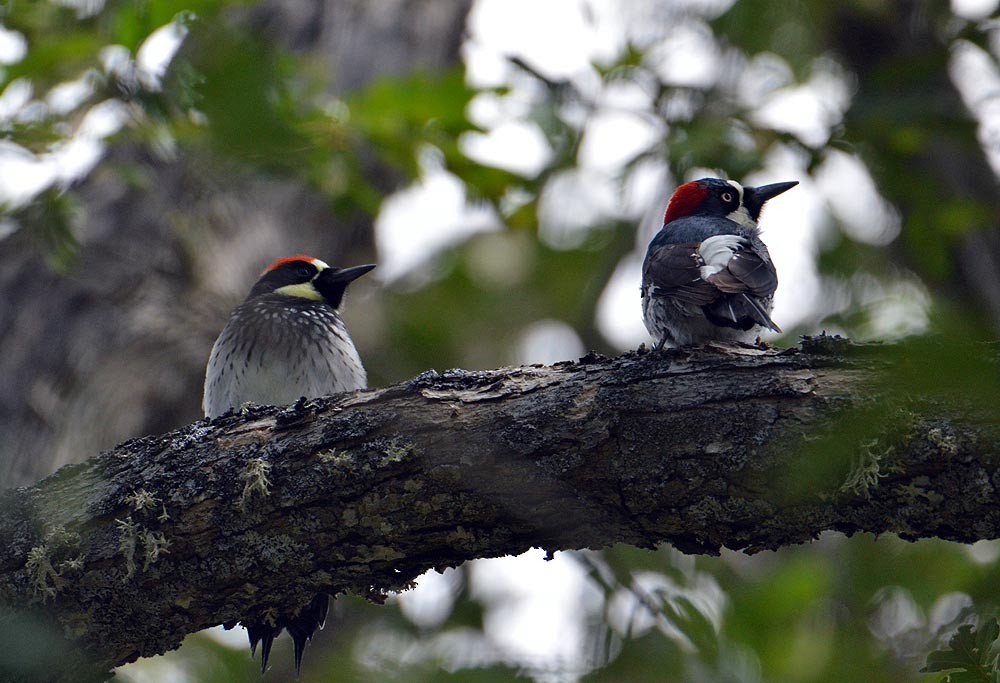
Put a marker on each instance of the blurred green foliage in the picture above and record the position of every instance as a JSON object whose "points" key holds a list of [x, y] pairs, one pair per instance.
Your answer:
{"points": [[840, 609]]}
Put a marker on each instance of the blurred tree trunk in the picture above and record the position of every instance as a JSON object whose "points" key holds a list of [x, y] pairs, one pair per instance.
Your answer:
{"points": [[165, 253], [928, 161]]}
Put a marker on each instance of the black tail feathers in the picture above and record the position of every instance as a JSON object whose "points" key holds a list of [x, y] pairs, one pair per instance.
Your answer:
{"points": [[741, 311], [300, 627]]}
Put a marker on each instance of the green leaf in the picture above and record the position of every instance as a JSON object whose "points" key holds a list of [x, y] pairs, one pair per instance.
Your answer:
{"points": [[987, 634], [969, 651], [396, 115]]}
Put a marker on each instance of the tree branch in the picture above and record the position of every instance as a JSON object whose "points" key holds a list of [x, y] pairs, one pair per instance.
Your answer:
{"points": [[748, 448]]}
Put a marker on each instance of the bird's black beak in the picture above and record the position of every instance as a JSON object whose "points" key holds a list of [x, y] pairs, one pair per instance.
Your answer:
{"points": [[332, 282], [346, 275], [754, 198]]}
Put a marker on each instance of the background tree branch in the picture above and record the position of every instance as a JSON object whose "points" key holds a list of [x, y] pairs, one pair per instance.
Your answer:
{"points": [[748, 448]]}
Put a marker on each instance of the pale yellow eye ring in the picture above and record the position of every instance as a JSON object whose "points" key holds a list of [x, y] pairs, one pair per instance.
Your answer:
{"points": [[726, 197]]}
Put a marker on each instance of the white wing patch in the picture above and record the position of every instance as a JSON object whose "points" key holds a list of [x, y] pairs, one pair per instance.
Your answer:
{"points": [[716, 251]]}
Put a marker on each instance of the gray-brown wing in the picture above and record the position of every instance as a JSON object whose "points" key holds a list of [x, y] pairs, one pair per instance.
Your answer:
{"points": [[746, 281], [752, 270], [674, 270]]}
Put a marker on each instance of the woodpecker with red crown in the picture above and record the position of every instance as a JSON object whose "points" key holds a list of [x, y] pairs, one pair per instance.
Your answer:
{"points": [[707, 275], [285, 341]]}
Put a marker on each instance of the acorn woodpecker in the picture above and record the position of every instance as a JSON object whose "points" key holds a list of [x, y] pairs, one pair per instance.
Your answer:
{"points": [[707, 275], [286, 341]]}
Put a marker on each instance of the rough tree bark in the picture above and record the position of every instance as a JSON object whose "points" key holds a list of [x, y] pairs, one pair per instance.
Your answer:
{"points": [[744, 447]]}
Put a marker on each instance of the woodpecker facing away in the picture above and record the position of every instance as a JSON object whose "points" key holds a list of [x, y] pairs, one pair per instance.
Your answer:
{"points": [[286, 341], [707, 275]]}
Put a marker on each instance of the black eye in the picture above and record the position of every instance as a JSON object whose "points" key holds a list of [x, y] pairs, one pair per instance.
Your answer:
{"points": [[727, 197], [304, 272]]}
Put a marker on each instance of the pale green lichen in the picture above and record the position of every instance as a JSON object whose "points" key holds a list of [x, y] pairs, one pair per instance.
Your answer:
{"points": [[397, 452], [255, 479], [44, 558], [333, 456], [141, 500], [126, 544], [136, 538], [45, 580], [867, 469], [945, 443], [154, 544], [144, 503], [73, 564]]}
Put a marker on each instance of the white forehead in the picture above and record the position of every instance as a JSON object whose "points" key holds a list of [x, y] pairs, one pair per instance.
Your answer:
{"points": [[320, 265], [739, 188]]}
